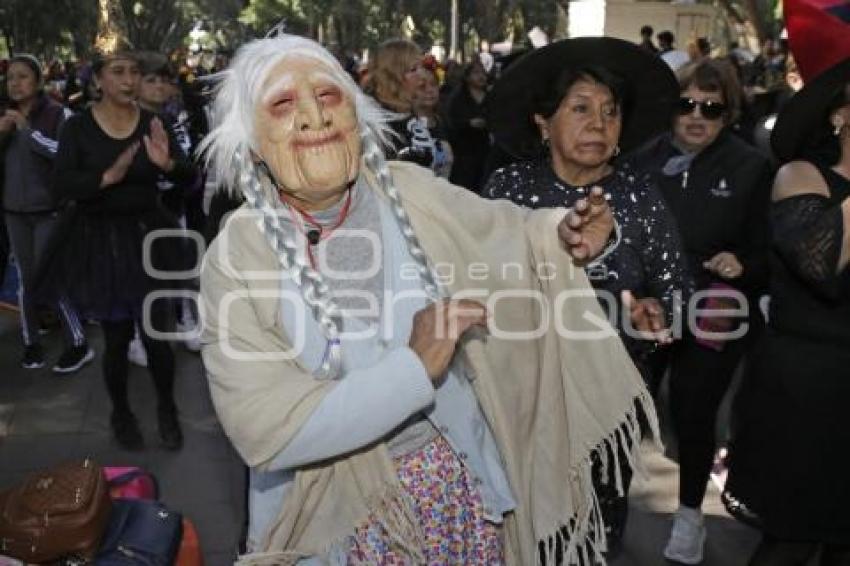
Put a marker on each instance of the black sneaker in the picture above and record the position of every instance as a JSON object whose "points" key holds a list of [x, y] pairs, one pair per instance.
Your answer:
{"points": [[125, 428], [73, 359], [33, 357], [169, 429]]}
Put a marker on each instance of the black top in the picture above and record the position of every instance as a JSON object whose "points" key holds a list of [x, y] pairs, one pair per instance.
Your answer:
{"points": [[649, 261], [86, 151], [97, 254], [808, 297], [720, 202], [797, 391]]}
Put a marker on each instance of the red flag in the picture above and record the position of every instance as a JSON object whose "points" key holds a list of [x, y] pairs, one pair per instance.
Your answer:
{"points": [[818, 32]]}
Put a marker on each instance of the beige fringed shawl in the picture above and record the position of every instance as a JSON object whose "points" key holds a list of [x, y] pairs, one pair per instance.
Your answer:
{"points": [[551, 399]]}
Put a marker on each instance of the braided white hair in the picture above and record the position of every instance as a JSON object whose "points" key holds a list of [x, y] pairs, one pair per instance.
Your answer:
{"points": [[228, 152], [373, 156]]}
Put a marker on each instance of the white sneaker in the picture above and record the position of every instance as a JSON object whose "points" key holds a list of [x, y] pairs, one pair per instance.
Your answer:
{"points": [[136, 352], [191, 340], [687, 538]]}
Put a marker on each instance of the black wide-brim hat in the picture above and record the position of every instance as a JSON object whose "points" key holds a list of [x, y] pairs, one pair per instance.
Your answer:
{"points": [[804, 115], [652, 90]]}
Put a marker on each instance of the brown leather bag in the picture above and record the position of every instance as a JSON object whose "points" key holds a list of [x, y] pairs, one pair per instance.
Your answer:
{"points": [[60, 512]]}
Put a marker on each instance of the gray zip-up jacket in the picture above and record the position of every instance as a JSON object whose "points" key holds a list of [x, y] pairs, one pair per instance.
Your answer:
{"points": [[28, 158]]}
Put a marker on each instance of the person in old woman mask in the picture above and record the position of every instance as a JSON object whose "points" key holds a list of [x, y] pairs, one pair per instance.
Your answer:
{"points": [[413, 373]]}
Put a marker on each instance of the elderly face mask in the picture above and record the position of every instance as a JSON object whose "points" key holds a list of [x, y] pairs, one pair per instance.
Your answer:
{"points": [[306, 132]]}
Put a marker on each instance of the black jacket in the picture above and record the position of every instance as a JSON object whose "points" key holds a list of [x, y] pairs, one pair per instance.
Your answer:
{"points": [[720, 203]]}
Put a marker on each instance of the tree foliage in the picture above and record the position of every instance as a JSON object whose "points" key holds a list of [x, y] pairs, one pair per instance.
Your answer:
{"points": [[48, 27], [51, 27], [358, 24]]}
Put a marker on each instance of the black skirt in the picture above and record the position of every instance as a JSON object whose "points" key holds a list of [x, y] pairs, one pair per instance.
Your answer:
{"points": [[96, 260], [790, 459]]}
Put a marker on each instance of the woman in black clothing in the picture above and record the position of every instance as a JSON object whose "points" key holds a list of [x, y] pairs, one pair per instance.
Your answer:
{"points": [[110, 158], [717, 188], [790, 460], [468, 132], [580, 116]]}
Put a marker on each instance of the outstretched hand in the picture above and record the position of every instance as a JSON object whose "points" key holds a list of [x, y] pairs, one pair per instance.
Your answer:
{"points": [[587, 226]]}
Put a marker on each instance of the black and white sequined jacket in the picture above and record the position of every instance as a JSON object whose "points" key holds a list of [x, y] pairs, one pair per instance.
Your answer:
{"points": [[649, 260]]}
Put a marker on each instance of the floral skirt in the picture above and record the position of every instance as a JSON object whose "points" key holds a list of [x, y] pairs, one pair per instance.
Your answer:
{"points": [[449, 509]]}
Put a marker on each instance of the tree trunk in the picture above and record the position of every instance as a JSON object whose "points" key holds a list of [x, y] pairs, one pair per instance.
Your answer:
{"points": [[455, 30]]}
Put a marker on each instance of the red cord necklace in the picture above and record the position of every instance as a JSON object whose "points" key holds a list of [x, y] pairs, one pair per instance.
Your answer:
{"points": [[317, 232]]}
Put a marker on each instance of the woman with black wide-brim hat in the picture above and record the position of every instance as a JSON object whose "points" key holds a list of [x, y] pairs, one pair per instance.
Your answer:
{"points": [[790, 461], [566, 111]]}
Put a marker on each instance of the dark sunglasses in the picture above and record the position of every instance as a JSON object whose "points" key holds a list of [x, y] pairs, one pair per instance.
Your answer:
{"points": [[709, 109]]}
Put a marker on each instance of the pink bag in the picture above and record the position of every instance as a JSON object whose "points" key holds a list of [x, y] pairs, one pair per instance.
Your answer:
{"points": [[717, 324], [130, 482]]}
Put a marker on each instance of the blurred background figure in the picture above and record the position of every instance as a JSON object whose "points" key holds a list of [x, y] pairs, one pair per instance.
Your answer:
{"points": [[646, 39], [468, 132], [675, 58], [452, 78], [768, 68], [426, 106], [394, 80], [400, 83], [156, 90], [699, 49]]}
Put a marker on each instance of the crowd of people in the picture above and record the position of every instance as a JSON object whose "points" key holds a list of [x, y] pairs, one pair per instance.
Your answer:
{"points": [[81, 190], [394, 416]]}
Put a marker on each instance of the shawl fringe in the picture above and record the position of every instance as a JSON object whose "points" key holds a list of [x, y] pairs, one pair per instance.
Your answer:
{"points": [[581, 540]]}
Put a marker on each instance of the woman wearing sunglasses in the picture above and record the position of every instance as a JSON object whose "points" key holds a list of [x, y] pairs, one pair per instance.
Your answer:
{"points": [[718, 189]]}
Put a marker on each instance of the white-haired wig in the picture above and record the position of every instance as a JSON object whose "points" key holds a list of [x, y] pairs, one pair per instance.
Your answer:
{"points": [[237, 92], [230, 148]]}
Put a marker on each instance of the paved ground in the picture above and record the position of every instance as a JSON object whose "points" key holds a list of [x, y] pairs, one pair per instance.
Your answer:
{"points": [[45, 419]]}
